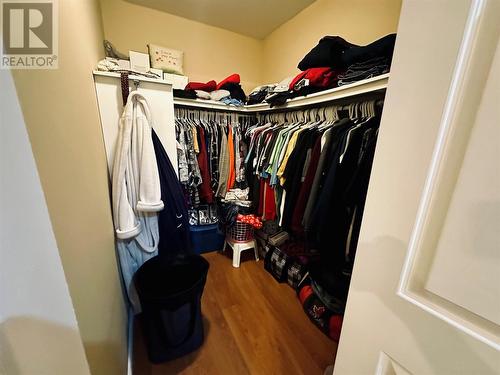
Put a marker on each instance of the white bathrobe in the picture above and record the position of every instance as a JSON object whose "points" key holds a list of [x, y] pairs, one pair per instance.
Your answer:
{"points": [[136, 183], [136, 192]]}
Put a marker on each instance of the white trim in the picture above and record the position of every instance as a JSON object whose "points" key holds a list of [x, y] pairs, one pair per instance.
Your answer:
{"points": [[133, 77], [384, 361], [453, 321], [455, 92]]}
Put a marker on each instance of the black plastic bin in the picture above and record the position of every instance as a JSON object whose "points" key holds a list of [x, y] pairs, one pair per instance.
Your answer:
{"points": [[170, 295]]}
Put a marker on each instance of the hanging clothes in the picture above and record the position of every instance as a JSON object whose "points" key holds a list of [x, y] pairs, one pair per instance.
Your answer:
{"points": [[230, 149], [223, 167], [317, 169], [214, 150], [136, 191], [307, 185], [206, 194], [173, 222]]}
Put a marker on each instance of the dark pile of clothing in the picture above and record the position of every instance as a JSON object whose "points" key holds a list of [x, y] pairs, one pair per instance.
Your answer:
{"points": [[228, 91], [259, 94], [333, 62]]}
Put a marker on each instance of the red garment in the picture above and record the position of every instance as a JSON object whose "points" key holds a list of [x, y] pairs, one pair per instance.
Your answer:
{"points": [[304, 293], [250, 219], [318, 77], [260, 209], [205, 190], [232, 173], [335, 327], [208, 87], [233, 78], [269, 202], [301, 203]]}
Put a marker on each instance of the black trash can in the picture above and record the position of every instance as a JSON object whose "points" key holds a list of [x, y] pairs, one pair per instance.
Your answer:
{"points": [[170, 296]]}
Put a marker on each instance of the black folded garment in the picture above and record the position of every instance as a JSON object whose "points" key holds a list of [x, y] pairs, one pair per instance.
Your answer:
{"points": [[336, 52], [235, 90], [364, 70], [257, 97], [279, 98], [328, 52], [383, 47], [184, 94]]}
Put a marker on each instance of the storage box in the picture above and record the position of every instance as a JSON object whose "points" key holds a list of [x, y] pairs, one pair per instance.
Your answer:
{"points": [[178, 81], [139, 61], [205, 238]]}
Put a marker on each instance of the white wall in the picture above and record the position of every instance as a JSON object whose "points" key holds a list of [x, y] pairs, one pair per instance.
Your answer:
{"points": [[38, 329], [62, 119]]}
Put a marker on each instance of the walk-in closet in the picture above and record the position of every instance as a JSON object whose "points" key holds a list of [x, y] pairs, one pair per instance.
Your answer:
{"points": [[249, 187]]}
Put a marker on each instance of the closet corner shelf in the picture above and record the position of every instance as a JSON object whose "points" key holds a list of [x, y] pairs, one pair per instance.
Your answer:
{"points": [[132, 77], [361, 87]]}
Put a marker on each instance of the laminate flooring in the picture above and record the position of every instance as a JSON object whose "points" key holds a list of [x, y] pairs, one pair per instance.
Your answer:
{"points": [[253, 325]]}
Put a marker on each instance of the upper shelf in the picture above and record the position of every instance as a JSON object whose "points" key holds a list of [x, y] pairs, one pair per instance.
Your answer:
{"points": [[361, 87], [357, 88]]}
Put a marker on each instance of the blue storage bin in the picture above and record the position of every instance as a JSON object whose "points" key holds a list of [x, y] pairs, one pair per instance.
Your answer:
{"points": [[205, 238]]}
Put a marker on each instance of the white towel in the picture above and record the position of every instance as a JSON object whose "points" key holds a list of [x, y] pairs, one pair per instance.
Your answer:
{"points": [[136, 183]]}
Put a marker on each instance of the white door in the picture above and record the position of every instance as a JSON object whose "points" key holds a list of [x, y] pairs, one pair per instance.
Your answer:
{"points": [[425, 292]]}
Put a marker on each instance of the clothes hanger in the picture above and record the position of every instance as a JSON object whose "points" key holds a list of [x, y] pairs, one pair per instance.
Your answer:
{"points": [[359, 108]]}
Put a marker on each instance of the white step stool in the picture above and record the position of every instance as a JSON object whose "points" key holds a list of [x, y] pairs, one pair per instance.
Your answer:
{"points": [[238, 247]]}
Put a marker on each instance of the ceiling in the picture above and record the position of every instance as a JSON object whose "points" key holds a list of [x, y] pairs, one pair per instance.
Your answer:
{"points": [[254, 18]]}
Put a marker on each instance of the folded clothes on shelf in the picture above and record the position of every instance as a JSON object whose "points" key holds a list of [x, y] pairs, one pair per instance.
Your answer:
{"points": [[327, 53], [228, 91], [317, 78], [208, 86], [231, 101], [218, 95], [200, 94], [364, 70], [259, 93], [184, 94], [335, 52]]}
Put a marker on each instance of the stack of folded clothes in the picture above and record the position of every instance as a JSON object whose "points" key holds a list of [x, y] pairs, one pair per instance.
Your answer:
{"points": [[331, 63], [228, 91], [364, 70], [259, 93], [232, 84], [337, 53], [334, 62], [280, 93]]}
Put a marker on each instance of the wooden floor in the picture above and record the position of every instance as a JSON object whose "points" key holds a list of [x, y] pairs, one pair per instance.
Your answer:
{"points": [[253, 325]]}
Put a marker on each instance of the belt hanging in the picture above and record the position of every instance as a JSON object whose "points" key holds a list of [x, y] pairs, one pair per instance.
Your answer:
{"points": [[124, 85]]}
